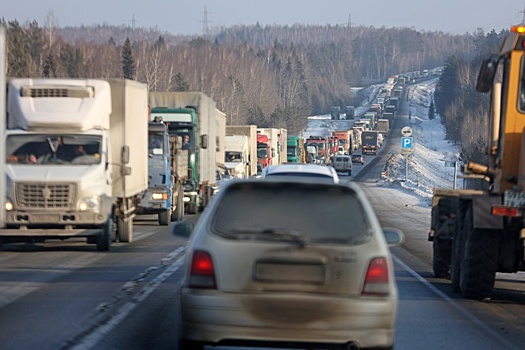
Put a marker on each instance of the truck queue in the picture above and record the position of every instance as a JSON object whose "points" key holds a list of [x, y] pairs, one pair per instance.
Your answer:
{"points": [[139, 152]]}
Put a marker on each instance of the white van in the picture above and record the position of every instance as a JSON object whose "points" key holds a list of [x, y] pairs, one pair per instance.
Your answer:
{"points": [[342, 163]]}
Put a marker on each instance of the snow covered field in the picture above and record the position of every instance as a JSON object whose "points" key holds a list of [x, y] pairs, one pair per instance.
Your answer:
{"points": [[426, 168]]}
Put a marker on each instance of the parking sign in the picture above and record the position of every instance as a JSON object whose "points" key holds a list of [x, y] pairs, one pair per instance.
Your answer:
{"points": [[407, 145]]}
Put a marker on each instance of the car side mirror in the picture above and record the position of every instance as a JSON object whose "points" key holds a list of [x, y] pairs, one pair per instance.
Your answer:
{"points": [[182, 229], [393, 236]]}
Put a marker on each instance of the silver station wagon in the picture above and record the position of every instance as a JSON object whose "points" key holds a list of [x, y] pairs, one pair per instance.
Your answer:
{"points": [[289, 263]]}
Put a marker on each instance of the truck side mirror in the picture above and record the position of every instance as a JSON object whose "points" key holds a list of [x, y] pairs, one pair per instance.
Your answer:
{"points": [[487, 72], [204, 141]]}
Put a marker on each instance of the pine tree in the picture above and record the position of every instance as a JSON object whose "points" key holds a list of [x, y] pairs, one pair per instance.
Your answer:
{"points": [[18, 51], [182, 85], [50, 68], [128, 63]]}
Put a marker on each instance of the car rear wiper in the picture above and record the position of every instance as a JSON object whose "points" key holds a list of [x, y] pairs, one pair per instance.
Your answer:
{"points": [[273, 232]]}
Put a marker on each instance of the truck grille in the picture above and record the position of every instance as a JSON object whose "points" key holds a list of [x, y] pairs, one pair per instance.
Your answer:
{"points": [[45, 196]]}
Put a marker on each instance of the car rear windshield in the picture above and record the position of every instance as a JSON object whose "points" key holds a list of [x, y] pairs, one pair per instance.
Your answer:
{"points": [[311, 212]]}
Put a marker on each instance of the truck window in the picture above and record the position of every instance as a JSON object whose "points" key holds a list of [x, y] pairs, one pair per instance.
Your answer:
{"points": [[155, 144], [521, 99]]}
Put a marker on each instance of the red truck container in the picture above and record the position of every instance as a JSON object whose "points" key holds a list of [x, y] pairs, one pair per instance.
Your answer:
{"points": [[343, 137]]}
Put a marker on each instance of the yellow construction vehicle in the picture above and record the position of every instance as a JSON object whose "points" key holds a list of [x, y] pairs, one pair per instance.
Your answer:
{"points": [[476, 233]]}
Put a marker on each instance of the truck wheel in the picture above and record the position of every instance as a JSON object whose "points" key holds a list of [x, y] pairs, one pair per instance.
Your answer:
{"points": [[445, 213], [125, 230], [479, 261], [440, 263], [192, 208], [105, 238], [178, 213], [457, 246], [164, 218]]}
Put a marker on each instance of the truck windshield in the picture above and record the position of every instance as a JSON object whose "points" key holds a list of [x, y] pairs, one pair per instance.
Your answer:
{"points": [[155, 144], [53, 149], [262, 153], [233, 157], [290, 151]]}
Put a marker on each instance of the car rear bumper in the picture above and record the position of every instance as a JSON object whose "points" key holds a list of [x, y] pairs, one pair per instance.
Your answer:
{"points": [[214, 317]]}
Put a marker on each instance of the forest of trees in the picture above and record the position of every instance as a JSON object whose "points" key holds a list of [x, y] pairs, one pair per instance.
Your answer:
{"points": [[463, 110], [272, 76]]}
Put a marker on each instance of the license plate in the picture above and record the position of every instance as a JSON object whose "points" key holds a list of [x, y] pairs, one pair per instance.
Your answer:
{"points": [[514, 199]]}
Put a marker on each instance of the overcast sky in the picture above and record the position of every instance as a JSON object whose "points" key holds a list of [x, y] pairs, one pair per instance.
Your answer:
{"points": [[187, 16]]}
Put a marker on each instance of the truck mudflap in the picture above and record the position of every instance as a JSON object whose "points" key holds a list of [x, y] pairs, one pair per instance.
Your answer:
{"points": [[482, 207]]}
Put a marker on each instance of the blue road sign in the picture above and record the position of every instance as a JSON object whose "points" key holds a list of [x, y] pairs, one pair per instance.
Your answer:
{"points": [[406, 142]]}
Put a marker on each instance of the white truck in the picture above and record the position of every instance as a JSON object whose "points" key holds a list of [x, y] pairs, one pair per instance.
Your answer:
{"points": [[236, 156], [383, 126], [246, 145], [76, 159]]}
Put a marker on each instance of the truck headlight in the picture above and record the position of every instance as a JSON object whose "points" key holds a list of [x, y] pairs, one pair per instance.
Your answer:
{"points": [[159, 196], [8, 205], [88, 203]]}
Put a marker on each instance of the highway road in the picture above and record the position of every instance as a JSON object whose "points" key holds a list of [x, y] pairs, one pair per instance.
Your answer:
{"points": [[67, 295]]}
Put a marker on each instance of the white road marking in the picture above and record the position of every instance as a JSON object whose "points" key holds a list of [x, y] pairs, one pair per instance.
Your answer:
{"points": [[90, 340], [455, 305]]}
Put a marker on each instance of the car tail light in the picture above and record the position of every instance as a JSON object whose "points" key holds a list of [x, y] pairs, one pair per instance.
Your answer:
{"points": [[202, 270], [376, 280]]}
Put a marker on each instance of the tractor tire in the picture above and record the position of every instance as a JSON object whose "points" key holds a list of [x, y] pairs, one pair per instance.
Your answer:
{"points": [[479, 261]]}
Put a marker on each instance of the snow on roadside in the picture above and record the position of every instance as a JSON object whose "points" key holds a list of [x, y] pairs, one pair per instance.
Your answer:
{"points": [[426, 168]]}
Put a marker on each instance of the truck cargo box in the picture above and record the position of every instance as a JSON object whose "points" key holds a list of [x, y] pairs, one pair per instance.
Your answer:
{"points": [[129, 128], [209, 125]]}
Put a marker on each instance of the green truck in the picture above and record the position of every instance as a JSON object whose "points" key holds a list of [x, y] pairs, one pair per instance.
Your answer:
{"points": [[295, 149], [335, 112], [202, 127]]}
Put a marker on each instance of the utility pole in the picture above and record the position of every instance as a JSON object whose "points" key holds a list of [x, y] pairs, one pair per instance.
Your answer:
{"points": [[523, 13], [205, 22], [349, 26], [133, 23]]}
